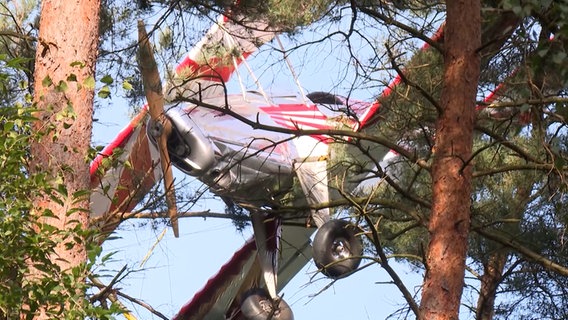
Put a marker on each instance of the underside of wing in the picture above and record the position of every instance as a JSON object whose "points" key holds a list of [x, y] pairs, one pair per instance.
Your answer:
{"points": [[209, 65], [220, 298], [124, 171]]}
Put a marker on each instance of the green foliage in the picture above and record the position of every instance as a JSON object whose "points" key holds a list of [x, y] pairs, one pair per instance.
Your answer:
{"points": [[519, 163], [29, 277], [284, 15], [17, 28]]}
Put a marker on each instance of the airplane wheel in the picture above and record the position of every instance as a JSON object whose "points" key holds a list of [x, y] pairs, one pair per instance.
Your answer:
{"points": [[257, 305], [337, 249]]}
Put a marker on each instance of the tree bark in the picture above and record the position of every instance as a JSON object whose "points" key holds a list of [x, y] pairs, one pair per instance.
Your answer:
{"points": [[492, 276], [63, 93], [451, 170]]}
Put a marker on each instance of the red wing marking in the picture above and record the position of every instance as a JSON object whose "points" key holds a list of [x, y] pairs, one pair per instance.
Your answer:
{"points": [[138, 179], [119, 142], [204, 300], [369, 113], [121, 187], [217, 69]]}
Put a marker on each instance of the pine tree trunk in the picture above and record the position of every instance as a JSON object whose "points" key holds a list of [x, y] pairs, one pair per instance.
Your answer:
{"points": [[451, 173], [492, 276], [63, 92]]}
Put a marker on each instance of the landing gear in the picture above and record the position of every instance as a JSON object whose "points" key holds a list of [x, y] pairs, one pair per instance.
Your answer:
{"points": [[337, 249], [257, 305]]}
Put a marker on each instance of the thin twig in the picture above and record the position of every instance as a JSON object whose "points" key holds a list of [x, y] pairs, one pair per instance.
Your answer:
{"points": [[412, 84], [142, 304]]}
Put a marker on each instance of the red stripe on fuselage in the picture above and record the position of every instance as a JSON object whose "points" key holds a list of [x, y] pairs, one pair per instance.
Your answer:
{"points": [[137, 179], [298, 116]]}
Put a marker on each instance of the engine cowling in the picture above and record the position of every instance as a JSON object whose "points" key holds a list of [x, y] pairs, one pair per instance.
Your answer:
{"points": [[189, 149]]}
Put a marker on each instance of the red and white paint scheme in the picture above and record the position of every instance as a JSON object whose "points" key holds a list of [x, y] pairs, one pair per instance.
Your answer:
{"points": [[251, 150]]}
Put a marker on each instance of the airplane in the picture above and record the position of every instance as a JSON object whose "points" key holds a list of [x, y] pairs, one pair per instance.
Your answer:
{"points": [[263, 153], [263, 169]]}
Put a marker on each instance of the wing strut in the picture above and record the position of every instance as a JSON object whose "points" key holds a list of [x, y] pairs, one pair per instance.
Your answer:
{"points": [[296, 79], [154, 96]]}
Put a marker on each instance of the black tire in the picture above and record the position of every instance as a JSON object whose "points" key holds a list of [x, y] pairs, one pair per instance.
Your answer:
{"points": [[337, 249], [324, 98], [257, 305]]}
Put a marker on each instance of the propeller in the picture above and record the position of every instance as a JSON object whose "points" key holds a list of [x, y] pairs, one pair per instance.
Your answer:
{"points": [[154, 97]]}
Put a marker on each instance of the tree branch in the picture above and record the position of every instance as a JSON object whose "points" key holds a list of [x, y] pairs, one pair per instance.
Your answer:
{"points": [[525, 251], [107, 291], [383, 261], [142, 304], [391, 21], [523, 153], [196, 214], [518, 167], [412, 84], [520, 103]]}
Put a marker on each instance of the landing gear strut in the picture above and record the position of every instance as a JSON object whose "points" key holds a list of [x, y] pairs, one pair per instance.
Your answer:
{"points": [[337, 249]]}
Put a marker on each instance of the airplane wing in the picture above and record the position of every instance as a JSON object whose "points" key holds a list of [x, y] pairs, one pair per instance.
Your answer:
{"points": [[218, 299], [123, 172], [209, 65]]}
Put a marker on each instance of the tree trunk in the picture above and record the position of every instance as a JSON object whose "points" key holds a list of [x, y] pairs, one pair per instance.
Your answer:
{"points": [[494, 266], [63, 93], [451, 172], [492, 276]]}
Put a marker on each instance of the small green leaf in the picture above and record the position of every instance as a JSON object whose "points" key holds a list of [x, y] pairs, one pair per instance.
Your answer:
{"points": [[126, 85], [17, 62], [61, 86], [46, 82], [77, 64], [107, 79], [108, 256], [104, 92], [89, 82]]}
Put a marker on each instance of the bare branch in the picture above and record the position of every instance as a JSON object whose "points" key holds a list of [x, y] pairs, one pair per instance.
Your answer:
{"points": [[412, 84], [391, 21], [547, 167], [196, 214], [142, 304], [107, 291], [383, 261]]}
